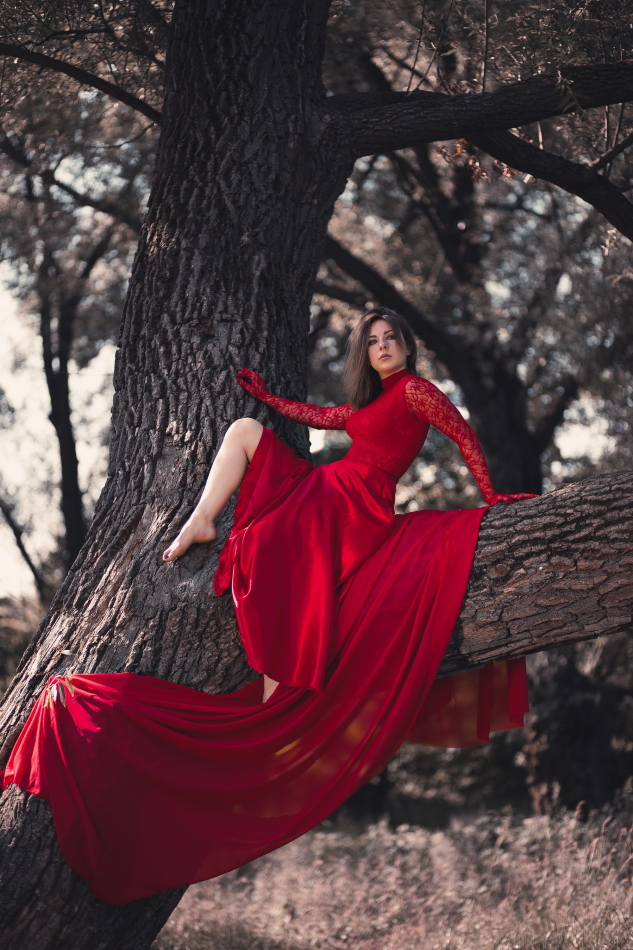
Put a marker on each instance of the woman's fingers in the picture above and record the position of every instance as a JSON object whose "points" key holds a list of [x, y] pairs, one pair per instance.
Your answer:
{"points": [[252, 382], [245, 381]]}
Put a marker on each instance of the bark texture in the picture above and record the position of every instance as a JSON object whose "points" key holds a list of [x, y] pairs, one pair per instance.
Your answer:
{"points": [[549, 571]]}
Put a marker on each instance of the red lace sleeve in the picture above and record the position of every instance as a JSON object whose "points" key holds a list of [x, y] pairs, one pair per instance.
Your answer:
{"points": [[428, 403], [319, 417]]}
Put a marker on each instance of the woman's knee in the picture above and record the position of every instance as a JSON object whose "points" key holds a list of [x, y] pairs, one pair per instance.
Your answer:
{"points": [[248, 432]]}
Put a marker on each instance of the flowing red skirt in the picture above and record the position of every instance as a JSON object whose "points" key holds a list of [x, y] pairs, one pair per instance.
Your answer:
{"points": [[153, 785]]}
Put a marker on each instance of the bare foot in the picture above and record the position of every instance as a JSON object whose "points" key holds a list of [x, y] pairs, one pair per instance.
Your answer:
{"points": [[196, 531], [269, 687]]}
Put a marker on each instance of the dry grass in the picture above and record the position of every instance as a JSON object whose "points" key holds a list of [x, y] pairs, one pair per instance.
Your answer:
{"points": [[493, 882]]}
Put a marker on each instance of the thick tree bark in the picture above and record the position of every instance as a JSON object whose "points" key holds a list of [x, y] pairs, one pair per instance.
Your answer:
{"points": [[250, 161], [549, 571]]}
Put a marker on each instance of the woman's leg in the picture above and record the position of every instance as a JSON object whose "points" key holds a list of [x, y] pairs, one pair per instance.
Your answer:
{"points": [[269, 687], [225, 477]]}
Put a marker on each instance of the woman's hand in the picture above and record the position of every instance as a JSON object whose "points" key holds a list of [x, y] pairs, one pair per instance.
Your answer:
{"points": [[252, 383], [494, 499]]}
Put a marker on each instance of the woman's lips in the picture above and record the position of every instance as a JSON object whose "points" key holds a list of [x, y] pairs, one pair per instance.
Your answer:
{"points": [[386, 356]]}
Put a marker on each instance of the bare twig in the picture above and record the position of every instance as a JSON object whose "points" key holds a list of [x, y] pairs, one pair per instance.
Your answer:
{"points": [[100, 148], [402, 62], [417, 52], [608, 157], [485, 64], [439, 41]]}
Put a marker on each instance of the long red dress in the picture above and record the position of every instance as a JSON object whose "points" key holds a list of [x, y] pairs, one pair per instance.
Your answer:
{"points": [[154, 785]]}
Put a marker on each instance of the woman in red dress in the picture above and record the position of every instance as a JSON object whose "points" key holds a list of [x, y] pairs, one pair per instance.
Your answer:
{"points": [[344, 607], [341, 513]]}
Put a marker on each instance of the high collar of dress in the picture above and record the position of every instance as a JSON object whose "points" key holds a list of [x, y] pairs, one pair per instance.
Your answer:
{"points": [[390, 381]]}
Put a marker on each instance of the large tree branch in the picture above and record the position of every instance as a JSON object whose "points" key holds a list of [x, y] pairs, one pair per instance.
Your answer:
{"points": [[383, 122], [82, 76], [576, 179], [547, 572]]}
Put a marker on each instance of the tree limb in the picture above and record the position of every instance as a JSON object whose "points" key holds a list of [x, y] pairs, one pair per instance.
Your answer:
{"points": [[82, 76], [576, 179], [382, 122], [550, 571]]}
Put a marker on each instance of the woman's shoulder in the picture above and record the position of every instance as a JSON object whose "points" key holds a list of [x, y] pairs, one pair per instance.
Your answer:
{"points": [[422, 397], [419, 386]]}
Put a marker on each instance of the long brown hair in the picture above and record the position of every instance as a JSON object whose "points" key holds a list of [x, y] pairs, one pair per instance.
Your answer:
{"points": [[361, 383]]}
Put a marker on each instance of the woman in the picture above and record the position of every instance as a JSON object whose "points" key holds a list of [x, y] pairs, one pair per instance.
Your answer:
{"points": [[345, 509], [345, 608]]}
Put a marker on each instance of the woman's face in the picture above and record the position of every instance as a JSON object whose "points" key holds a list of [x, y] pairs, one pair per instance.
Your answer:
{"points": [[386, 355]]}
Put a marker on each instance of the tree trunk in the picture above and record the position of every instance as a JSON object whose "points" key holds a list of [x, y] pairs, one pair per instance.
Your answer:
{"points": [[247, 173], [249, 165]]}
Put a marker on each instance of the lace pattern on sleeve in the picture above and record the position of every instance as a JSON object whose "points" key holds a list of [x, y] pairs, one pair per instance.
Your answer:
{"points": [[429, 404], [318, 417]]}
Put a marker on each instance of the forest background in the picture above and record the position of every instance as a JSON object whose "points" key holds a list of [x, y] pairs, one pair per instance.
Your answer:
{"points": [[519, 291]]}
